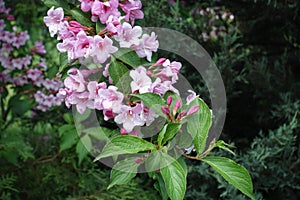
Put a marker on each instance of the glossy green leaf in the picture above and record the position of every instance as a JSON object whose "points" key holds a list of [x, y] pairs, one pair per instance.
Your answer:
{"points": [[125, 144], [232, 172], [174, 177], [198, 125], [171, 131], [83, 18], [153, 101], [123, 171], [130, 58], [116, 71], [57, 3], [63, 60]]}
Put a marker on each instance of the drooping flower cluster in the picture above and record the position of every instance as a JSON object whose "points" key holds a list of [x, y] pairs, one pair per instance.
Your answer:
{"points": [[20, 71], [80, 41], [84, 44]]}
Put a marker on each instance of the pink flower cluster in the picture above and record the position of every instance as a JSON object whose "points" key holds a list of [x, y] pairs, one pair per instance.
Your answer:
{"points": [[20, 71], [82, 42]]}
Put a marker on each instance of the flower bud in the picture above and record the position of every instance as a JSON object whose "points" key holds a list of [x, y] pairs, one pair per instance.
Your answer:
{"points": [[193, 110], [169, 100], [139, 160], [165, 110]]}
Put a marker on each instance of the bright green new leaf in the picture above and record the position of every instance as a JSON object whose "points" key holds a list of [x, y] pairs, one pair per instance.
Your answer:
{"points": [[171, 131], [153, 101], [232, 172], [198, 125], [125, 144], [123, 172]]}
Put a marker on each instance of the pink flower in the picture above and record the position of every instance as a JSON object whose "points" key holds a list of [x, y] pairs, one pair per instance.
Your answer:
{"points": [[82, 101], [141, 81], [21, 39], [68, 46], [128, 36], [170, 70], [101, 48], [86, 5], [191, 97], [103, 10], [75, 81], [94, 87], [130, 117], [54, 19], [81, 45], [147, 45], [132, 10], [109, 99]]}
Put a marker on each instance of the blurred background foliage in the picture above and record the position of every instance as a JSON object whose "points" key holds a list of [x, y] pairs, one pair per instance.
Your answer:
{"points": [[256, 46]]}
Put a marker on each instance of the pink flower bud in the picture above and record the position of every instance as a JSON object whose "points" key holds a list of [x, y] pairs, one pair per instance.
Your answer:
{"points": [[123, 131], [182, 114], [169, 100], [176, 106], [193, 110], [139, 160], [166, 110], [160, 61]]}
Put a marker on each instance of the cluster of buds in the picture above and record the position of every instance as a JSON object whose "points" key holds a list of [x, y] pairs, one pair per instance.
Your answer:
{"points": [[175, 112]]}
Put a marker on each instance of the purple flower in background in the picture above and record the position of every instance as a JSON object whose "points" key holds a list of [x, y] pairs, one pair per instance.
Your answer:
{"points": [[34, 74]]}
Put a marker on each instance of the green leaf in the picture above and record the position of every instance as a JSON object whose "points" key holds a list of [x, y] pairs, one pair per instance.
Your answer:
{"points": [[57, 3], [63, 60], [171, 131], [130, 58], [232, 172], [68, 118], [153, 101], [223, 145], [83, 18], [198, 125], [20, 107], [125, 144], [116, 71], [174, 177], [160, 186], [101, 133], [68, 139], [161, 135], [123, 172], [83, 147]]}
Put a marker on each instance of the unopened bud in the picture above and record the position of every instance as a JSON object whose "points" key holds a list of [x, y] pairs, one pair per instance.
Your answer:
{"points": [[160, 61], [123, 131], [176, 106], [169, 100], [165, 110], [193, 110], [139, 160]]}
